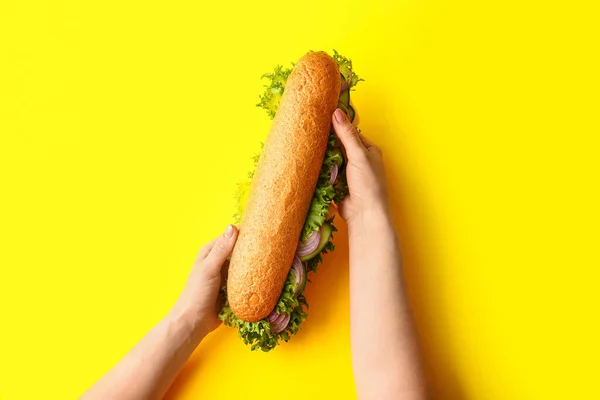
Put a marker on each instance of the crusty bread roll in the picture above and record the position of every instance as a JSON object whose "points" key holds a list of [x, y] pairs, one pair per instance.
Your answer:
{"points": [[282, 187]]}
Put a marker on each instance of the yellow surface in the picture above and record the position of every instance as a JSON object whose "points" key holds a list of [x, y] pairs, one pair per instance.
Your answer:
{"points": [[126, 125]]}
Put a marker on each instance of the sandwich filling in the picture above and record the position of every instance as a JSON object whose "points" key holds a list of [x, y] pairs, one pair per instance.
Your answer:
{"points": [[317, 234]]}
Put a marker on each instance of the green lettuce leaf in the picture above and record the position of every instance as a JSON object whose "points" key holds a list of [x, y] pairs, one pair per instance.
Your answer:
{"points": [[270, 99], [258, 334], [287, 301], [345, 66], [244, 188], [324, 192], [313, 263]]}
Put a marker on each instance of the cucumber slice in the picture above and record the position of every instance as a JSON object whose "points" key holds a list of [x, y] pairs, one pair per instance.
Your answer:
{"points": [[345, 97], [351, 113], [325, 235]]}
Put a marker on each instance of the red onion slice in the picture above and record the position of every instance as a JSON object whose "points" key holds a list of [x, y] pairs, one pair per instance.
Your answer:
{"points": [[278, 322], [278, 318], [334, 174], [299, 273], [283, 323], [310, 245], [272, 317]]}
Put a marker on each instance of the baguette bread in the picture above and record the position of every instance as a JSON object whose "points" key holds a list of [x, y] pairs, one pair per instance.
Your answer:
{"points": [[282, 187]]}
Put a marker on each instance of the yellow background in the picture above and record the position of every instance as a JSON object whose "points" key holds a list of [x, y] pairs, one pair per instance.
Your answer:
{"points": [[126, 125]]}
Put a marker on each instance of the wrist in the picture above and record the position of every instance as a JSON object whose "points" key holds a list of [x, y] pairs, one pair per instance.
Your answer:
{"points": [[370, 220], [187, 320]]}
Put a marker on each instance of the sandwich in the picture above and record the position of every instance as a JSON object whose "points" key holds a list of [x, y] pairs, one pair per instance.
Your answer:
{"points": [[284, 219]]}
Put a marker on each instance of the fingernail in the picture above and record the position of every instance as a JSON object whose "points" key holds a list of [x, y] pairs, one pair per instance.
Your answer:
{"points": [[229, 232], [339, 115]]}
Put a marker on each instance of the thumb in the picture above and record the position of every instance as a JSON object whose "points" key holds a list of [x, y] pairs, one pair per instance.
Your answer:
{"points": [[348, 135], [222, 248]]}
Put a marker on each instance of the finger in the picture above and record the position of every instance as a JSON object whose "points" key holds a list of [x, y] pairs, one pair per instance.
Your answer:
{"points": [[204, 250], [221, 249], [347, 134], [342, 209]]}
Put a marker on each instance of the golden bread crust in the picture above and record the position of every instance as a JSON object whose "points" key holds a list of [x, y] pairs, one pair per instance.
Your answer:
{"points": [[282, 187]]}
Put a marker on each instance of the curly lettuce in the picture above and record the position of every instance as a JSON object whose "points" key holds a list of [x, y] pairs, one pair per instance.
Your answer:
{"points": [[258, 334], [345, 66], [313, 263], [270, 99], [325, 192], [244, 188]]}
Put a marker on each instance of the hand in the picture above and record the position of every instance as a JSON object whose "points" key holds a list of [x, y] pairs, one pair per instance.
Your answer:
{"points": [[364, 172], [199, 299]]}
